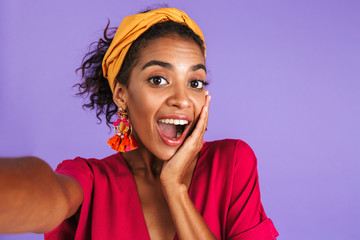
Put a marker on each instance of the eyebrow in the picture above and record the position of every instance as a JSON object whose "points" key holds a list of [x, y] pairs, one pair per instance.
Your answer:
{"points": [[169, 66], [199, 66]]}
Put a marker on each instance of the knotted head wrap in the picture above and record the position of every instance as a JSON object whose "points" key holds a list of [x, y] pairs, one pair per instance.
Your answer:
{"points": [[131, 28]]}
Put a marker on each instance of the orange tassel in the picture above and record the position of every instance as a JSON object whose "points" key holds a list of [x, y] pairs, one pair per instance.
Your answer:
{"points": [[124, 144], [123, 141], [133, 143], [114, 142]]}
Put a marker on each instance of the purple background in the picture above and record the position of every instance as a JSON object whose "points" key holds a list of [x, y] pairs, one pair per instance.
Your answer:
{"points": [[284, 77]]}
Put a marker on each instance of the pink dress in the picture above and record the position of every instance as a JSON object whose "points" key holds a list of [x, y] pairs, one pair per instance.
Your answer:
{"points": [[224, 189]]}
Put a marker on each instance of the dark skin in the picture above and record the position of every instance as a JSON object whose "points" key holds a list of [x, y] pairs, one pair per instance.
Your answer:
{"points": [[163, 173], [162, 169]]}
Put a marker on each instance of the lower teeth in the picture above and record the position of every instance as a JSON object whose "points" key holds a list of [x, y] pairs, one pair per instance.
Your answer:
{"points": [[179, 131], [178, 134]]}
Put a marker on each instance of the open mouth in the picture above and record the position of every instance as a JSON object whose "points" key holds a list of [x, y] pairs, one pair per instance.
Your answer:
{"points": [[172, 130]]}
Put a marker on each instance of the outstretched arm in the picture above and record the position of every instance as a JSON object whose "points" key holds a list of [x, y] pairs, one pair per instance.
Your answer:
{"points": [[33, 198]]}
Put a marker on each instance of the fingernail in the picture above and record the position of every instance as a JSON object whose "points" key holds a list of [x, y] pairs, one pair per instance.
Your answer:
{"points": [[206, 92]]}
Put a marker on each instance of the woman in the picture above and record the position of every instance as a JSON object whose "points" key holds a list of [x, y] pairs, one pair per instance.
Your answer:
{"points": [[165, 181]]}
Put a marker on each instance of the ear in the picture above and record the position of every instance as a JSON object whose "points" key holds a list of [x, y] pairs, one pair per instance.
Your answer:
{"points": [[120, 95]]}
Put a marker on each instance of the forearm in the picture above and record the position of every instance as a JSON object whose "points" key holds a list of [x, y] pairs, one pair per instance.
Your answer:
{"points": [[31, 199], [188, 222]]}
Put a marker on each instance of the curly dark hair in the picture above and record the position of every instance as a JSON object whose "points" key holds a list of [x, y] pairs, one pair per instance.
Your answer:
{"points": [[95, 85]]}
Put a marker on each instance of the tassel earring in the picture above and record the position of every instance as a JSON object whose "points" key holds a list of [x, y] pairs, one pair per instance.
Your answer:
{"points": [[123, 141]]}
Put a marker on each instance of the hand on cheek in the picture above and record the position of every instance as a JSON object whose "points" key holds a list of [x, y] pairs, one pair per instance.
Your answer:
{"points": [[175, 169]]}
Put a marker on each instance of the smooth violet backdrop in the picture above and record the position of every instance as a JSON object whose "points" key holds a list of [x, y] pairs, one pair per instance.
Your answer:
{"points": [[284, 78]]}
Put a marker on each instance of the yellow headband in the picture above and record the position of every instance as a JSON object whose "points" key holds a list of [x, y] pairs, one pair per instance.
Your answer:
{"points": [[131, 28]]}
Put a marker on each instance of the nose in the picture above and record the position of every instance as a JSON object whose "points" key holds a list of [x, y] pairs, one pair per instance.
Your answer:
{"points": [[179, 98]]}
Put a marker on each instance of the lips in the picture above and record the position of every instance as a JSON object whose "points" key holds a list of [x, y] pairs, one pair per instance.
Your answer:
{"points": [[173, 129]]}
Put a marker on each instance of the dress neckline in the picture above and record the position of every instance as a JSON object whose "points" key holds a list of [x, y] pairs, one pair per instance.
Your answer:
{"points": [[135, 193]]}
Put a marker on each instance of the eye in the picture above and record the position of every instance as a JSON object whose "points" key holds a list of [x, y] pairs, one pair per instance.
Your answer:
{"points": [[199, 84], [157, 80]]}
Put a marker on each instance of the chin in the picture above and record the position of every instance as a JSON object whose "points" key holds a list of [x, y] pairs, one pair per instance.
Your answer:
{"points": [[166, 155], [161, 151]]}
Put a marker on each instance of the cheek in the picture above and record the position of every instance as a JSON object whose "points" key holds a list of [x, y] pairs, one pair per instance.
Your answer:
{"points": [[139, 107], [142, 108]]}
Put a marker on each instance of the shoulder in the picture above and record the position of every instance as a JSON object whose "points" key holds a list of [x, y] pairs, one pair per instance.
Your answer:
{"points": [[89, 166], [229, 147], [228, 143], [231, 155], [88, 162], [91, 171]]}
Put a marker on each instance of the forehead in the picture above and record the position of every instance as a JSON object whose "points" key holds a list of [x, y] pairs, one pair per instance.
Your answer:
{"points": [[172, 48]]}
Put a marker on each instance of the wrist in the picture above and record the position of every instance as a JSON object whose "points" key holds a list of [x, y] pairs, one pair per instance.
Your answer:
{"points": [[168, 181], [173, 189]]}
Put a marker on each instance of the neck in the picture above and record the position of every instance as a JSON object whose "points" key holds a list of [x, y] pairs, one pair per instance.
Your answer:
{"points": [[142, 161]]}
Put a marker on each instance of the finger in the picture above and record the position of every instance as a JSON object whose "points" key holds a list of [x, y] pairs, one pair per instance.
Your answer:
{"points": [[205, 121], [197, 135], [207, 103], [201, 124]]}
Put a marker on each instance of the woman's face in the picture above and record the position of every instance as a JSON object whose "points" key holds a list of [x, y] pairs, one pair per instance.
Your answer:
{"points": [[166, 94]]}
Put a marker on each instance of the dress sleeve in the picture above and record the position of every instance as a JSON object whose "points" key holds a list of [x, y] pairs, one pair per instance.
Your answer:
{"points": [[82, 172], [246, 218], [78, 169]]}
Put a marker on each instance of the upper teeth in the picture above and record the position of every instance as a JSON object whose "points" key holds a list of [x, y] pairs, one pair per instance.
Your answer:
{"points": [[174, 121]]}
